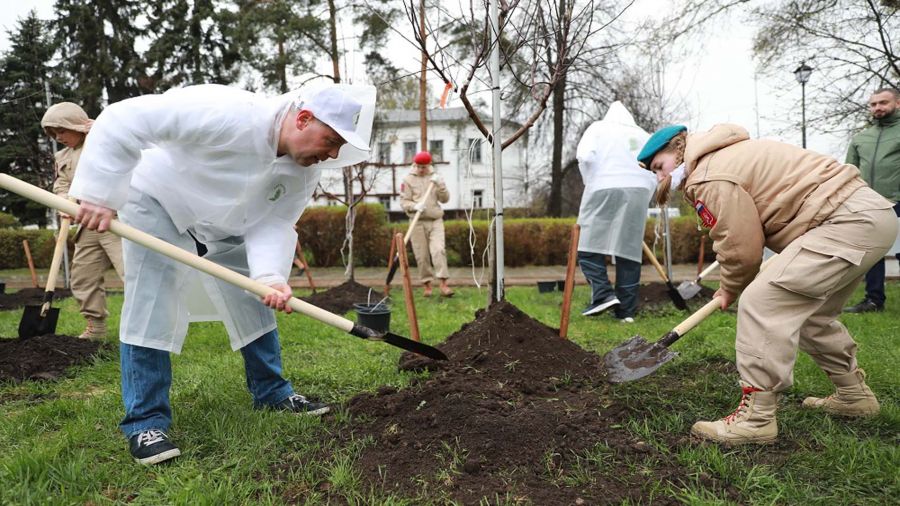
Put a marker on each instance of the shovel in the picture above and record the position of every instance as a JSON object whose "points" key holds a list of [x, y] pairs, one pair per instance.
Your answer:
{"points": [[688, 289], [673, 292], [395, 262], [41, 320], [148, 241], [637, 358]]}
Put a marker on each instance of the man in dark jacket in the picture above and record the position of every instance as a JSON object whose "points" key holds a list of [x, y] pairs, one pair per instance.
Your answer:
{"points": [[876, 151]]}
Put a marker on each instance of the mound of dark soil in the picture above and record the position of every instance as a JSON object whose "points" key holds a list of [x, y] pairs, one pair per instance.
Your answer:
{"points": [[341, 298], [655, 296], [42, 357], [516, 415], [27, 296]]}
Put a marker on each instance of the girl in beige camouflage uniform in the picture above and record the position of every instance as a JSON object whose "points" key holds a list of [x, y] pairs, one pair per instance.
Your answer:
{"points": [[95, 252]]}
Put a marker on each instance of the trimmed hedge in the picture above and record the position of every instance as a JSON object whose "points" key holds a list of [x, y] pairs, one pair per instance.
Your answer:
{"points": [[527, 241], [9, 221], [12, 254]]}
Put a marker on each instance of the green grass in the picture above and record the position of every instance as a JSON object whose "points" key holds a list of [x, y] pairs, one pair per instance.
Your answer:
{"points": [[59, 442]]}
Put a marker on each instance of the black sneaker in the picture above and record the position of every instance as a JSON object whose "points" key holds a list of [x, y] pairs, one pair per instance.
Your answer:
{"points": [[599, 307], [298, 404], [866, 306], [152, 447]]}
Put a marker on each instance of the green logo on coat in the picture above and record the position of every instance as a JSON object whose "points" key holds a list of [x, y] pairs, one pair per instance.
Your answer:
{"points": [[277, 192]]}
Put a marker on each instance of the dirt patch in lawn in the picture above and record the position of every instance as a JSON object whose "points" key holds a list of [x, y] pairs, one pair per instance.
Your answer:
{"points": [[44, 357], [341, 298], [516, 415], [655, 297], [27, 296]]}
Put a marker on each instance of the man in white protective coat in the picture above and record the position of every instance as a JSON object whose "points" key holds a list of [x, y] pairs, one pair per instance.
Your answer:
{"points": [[613, 210], [229, 170]]}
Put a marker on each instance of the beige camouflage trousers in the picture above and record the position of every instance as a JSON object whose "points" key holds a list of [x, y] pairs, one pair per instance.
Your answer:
{"points": [[794, 302], [95, 252], [428, 247]]}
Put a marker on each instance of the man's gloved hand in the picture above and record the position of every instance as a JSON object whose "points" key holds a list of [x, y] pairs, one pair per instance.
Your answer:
{"points": [[420, 206], [436, 179]]}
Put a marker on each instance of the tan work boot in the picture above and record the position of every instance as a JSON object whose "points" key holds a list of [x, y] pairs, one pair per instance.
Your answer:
{"points": [[752, 422], [446, 291], [95, 329], [427, 291], [852, 398]]}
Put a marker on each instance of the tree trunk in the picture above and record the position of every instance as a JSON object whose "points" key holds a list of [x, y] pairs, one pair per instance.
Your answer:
{"points": [[423, 118], [282, 67], [556, 172], [332, 29], [351, 219]]}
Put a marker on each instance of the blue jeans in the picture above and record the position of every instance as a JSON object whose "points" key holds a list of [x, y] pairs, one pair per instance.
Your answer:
{"points": [[875, 276], [147, 378], [628, 280]]}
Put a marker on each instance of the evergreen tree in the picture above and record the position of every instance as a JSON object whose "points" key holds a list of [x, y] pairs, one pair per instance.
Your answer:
{"points": [[194, 43], [278, 36], [96, 45], [25, 152]]}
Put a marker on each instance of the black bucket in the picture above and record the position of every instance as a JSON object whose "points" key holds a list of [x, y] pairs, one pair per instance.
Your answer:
{"points": [[374, 316], [546, 286], [561, 285]]}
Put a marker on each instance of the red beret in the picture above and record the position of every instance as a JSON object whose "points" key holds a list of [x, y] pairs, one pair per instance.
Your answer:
{"points": [[422, 158]]}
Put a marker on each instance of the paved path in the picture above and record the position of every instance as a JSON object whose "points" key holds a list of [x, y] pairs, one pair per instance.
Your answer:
{"points": [[515, 276]]}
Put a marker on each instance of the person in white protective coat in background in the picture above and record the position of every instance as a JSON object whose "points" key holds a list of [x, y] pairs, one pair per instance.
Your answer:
{"points": [[613, 211], [233, 171]]}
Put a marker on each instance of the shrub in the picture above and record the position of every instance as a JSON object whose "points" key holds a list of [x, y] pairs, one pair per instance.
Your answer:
{"points": [[9, 221], [321, 232], [12, 254]]}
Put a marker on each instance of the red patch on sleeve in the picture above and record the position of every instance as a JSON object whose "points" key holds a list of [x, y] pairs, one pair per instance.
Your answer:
{"points": [[402, 186], [708, 219]]}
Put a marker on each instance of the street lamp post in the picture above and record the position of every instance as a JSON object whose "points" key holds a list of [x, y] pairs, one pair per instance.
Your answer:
{"points": [[802, 74]]}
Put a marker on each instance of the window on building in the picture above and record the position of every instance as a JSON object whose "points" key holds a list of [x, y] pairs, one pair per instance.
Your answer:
{"points": [[477, 199], [436, 148], [384, 153], [409, 151], [474, 147], [385, 201]]}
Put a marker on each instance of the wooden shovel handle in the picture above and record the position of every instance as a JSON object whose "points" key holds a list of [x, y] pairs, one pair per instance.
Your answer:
{"points": [[713, 266], [158, 245], [61, 239], [415, 218], [655, 262], [700, 315]]}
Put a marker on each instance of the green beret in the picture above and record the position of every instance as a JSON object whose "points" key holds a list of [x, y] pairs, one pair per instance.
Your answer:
{"points": [[657, 141]]}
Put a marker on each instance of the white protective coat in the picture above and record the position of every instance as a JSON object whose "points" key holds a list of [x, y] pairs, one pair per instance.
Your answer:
{"points": [[617, 191], [208, 155]]}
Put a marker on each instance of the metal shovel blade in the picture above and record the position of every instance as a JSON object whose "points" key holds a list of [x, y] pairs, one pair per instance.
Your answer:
{"points": [[398, 341], [676, 297], [688, 289], [635, 359], [33, 324], [414, 346]]}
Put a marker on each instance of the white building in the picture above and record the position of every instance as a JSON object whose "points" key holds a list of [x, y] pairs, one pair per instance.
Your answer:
{"points": [[460, 154]]}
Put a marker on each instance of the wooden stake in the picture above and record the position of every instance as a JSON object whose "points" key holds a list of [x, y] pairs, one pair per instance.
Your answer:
{"points": [[303, 265], [702, 251], [34, 278], [407, 289], [387, 286], [570, 282]]}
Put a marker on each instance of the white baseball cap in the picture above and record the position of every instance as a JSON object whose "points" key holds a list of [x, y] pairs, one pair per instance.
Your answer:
{"points": [[336, 108]]}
